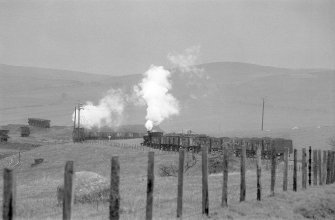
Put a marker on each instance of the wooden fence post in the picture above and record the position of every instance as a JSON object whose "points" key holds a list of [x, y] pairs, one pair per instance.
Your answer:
{"points": [[150, 185], [303, 170], [210, 145], [68, 190], [259, 172], [319, 167], [295, 170], [205, 203], [9, 195], [328, 167], [324, 167], [114, 200], [330, 158], [243, 184], [310, 166], [224, 201], [285, 174], [315, 167], [180, 184], [273, 170], [332, 168]]}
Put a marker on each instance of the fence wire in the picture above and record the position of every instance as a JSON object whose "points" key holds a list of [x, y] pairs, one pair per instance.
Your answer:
{"points": [[232, 188]]}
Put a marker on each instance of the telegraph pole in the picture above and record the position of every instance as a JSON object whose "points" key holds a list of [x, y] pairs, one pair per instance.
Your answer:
{"points": [[75, 118], [263, 114], [78, 115], [74, 124]]}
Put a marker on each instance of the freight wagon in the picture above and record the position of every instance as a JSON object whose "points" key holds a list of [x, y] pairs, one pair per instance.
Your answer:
{"points": [[193, 142], [25, 131], [103, 135]]}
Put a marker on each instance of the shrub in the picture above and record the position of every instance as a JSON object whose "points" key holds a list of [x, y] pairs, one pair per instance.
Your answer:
{"points": [[88, 187], [172, 169]]}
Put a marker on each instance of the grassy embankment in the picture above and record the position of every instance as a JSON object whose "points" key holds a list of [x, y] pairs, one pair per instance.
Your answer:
{"points": [[36, 188]]}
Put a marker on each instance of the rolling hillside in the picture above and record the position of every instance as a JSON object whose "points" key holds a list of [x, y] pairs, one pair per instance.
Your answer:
{"points": [[221, 97]]}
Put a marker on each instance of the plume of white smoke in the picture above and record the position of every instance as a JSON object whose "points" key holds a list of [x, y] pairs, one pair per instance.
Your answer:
{"points": [[107, 113], [186, 61], [154, 89]]}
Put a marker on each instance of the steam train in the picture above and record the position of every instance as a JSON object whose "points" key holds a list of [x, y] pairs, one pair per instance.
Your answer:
{"points": [[193, 142]]}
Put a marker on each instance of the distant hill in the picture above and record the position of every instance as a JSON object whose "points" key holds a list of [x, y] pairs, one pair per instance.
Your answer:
{"points": [[220, 97], [228, 96], [48, 93]]}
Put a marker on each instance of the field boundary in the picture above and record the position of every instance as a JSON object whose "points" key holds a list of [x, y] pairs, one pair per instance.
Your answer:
{"points": [[321, 171]]}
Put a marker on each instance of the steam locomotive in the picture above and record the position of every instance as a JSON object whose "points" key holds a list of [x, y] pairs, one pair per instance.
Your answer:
{"points": [[193, 142]]}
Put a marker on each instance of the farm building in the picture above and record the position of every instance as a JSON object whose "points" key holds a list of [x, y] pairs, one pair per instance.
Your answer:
{"points": [[4, 135], [25, 131], [37, 122]]}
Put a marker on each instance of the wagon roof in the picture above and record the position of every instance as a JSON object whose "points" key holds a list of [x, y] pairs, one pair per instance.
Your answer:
{"points": [[38, 119]]}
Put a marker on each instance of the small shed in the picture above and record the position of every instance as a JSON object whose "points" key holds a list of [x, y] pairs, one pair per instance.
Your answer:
{"points": [[4, 135], [38, 122], [25, 131]]}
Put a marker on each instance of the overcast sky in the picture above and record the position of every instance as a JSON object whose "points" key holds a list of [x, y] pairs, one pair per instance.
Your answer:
{"points": [[125, 37]]}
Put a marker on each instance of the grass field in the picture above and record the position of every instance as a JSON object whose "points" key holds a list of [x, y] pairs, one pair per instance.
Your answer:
{"points": [[36, 187]]}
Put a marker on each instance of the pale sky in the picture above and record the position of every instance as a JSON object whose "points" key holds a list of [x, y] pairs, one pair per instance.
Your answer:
{"points": [[126, 37]]}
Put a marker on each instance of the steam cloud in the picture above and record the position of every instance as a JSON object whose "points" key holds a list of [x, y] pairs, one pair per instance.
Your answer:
{"points": [[107, 113], [186, 61], [154, 90]]}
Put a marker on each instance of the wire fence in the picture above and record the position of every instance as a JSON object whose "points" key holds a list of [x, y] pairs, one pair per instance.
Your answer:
{"points": [[312, 168]]}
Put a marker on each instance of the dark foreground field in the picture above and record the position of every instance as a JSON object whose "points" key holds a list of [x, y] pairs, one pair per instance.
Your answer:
{"points": [[36, 187]]}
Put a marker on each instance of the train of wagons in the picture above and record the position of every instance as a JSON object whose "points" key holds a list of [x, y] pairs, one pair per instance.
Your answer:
{"points": [[193, 142], [81, 135]]}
